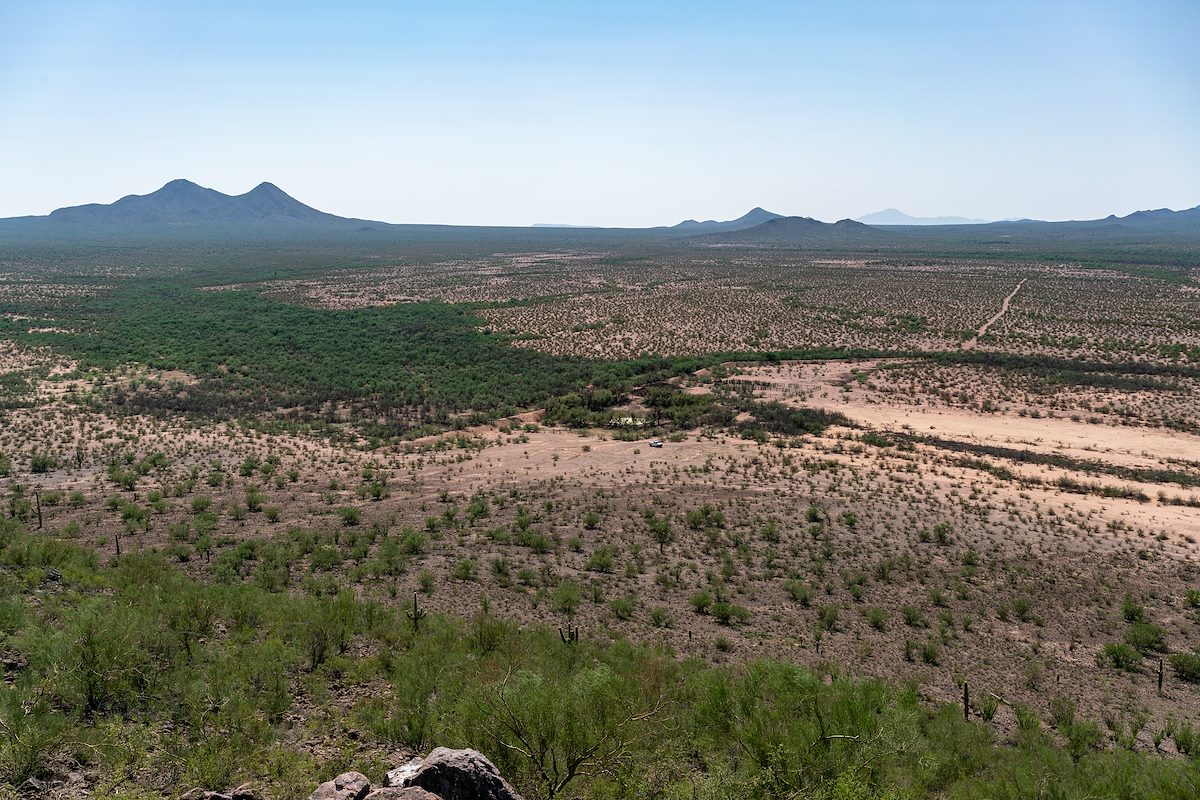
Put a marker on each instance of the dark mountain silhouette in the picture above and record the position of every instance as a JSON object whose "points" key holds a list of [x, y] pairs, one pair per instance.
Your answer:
{"points": [[800, 232], [1156, 222], [182, 202], [1159, 217], [755, 216]]}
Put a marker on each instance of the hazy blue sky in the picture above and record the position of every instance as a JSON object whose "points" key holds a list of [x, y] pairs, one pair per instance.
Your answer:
{"points": [[609, 113]]}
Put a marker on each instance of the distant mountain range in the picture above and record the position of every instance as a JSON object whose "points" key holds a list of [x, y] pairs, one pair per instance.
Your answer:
{"points": [[182, 202], [894, 216], [184, 209], [1139, 227], [1159, 216], [800, 231], [753, 217]]}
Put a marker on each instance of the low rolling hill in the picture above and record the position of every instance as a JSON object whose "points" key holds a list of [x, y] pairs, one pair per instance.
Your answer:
{"points": [[801, 232]]}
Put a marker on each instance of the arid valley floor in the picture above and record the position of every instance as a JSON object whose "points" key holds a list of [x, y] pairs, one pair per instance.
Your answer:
{"points": [[1006, 494]]}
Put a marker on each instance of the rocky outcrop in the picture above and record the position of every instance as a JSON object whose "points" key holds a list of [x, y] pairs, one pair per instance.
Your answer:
{"points": [[454, 775], [444, 774]]}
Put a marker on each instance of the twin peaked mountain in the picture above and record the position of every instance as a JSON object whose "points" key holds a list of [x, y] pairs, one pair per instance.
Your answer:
{"points": [[183, 202]]}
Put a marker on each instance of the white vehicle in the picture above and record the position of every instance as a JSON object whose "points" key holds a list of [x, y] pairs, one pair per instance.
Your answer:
{"points": [[656, 442]]}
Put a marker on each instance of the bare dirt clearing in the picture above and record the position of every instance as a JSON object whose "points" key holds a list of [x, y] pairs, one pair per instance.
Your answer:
{"points": [[853, 389]]}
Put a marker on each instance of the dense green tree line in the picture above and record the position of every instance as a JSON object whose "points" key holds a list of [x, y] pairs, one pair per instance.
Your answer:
{"points": [[408, 364], [1129, 375], [255, 354], [667, 406]]}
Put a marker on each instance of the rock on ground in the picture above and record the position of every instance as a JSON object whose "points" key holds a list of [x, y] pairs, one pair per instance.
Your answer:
{"points": [[454, 775], [444, 774], [347, 786]]}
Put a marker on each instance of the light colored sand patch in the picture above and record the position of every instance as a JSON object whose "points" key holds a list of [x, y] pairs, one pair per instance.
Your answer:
{"points": [[825, 384]]}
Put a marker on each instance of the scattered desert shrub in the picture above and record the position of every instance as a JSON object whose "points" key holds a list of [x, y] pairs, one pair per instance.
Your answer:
{"points": [[1146, 637], [1121, 656], [137, 646], [1186, 666]]}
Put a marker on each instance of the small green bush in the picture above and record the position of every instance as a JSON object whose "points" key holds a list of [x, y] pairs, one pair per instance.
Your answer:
{"points": [[623, 607], [1146, 637], [730, 613], [660, 617], [1121, 656], [464, 570], [1186, 666], [42, 463], [701, 601], [800, 591], [602, 559], [567, 598], [1132, 610], [876, 618]]}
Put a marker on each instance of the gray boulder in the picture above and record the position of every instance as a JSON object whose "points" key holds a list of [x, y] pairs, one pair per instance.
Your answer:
{"points": [[347, 786], [454, 775]]}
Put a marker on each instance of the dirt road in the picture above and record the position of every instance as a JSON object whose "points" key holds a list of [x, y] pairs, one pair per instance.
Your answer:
{"points": [[969, 344]]}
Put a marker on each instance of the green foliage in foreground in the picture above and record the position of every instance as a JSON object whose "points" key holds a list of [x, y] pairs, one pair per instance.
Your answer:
{"points": [[160, 683]]}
